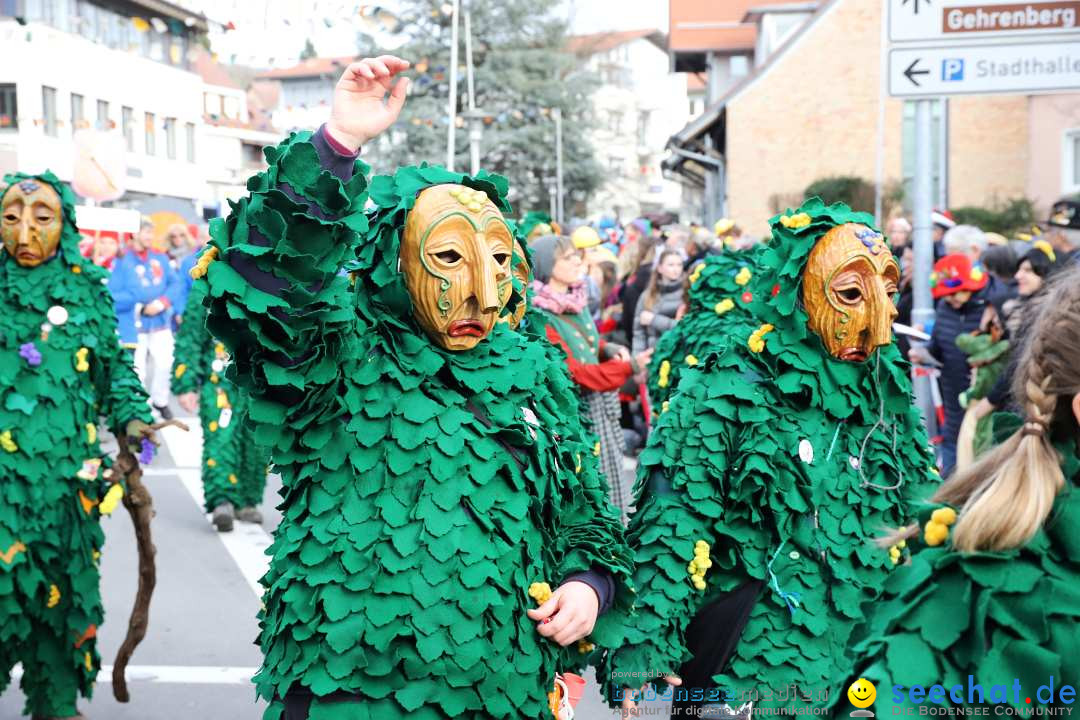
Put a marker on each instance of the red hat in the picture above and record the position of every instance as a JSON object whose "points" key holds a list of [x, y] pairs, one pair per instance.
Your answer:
{"points": [[955, 273]]}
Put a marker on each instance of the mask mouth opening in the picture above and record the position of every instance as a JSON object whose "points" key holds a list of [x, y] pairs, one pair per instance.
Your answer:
{"points": [[852, 354], [466, 328]]}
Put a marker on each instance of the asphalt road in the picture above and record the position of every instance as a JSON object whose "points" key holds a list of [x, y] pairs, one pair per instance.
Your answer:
{"points": [[198, 657]]}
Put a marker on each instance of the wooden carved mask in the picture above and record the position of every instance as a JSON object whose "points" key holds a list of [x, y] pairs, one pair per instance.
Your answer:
{"points": [[848, 287], [32, 222], [455, 255]]}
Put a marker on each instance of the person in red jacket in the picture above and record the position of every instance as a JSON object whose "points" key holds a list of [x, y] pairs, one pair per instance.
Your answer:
{"points": [[599, 369]]}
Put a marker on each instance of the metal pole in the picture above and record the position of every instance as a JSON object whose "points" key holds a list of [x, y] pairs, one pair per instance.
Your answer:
{"points": [[713, 178], [452, 102], [475, 127], [922, 312], [556, 113]]}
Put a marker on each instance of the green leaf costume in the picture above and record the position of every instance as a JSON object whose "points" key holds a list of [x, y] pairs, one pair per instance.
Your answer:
{"points": [[773, 464], [719, 297], [233, 464], [424, 490], [997, 616], [57, 379]]}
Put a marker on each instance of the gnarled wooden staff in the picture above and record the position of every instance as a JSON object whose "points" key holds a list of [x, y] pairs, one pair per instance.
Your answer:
{"points": [[140, 505]]}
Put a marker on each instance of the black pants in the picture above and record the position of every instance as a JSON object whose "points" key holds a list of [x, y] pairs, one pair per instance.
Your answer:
{"points": [[711, 636]]}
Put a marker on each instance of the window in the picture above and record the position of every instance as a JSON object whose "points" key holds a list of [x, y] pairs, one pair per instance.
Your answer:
{"points": [[150, 137], [189, 136], [104, 124], [232, 108], [48, 110], [9, 109], [643, 127], [127, 122], [740, 65], [1071, 162], [939, 153], [78, 119], [170, 138]]}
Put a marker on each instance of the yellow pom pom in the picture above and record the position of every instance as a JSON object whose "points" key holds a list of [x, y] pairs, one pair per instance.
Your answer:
{"points": [[77, 269], [540, 592], [81, 364], [699, 583], [7, 442], [935, 533], [665, 370], [584, 646], [54, 596], [902, 544], [214, 378], [691, 360], [596, 449], [180, 370], [664, 407], [222, 399], [696, 273], [944, 515], [796, 221], [212, 427], [743, 277], [203, 264], [112, 497], [91, 433], [701, 544], [211, 462], [724, 305], [88, 660], [232, 479]]}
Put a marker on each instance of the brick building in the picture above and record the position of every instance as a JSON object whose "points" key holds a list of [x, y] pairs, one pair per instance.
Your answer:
{"points": [[814, 106]]}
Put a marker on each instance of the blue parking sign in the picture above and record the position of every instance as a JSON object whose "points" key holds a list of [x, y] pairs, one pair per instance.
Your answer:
{"points": [[952, 69]]}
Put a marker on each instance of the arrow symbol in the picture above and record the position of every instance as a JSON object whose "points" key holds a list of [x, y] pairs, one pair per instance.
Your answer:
{"points": [[911, 72], [915, 4]]}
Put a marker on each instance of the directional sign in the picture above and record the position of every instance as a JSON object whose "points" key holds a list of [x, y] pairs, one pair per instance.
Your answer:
{"points": [[977, 69], [935, 21]]}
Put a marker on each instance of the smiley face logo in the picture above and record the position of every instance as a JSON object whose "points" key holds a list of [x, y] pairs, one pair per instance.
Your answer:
{"points": [[862, 693]]}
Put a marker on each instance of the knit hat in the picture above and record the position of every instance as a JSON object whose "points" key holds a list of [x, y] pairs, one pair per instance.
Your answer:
{"points": [[955, 273], [585, 237]]}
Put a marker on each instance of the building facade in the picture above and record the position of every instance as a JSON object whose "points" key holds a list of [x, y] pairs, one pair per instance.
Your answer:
{"points": [[807, 112], [637, 106]]}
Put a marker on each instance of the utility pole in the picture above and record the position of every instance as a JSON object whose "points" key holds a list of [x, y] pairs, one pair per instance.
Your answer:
{"points": [[556, 114], [922, 312], [452, 102]]}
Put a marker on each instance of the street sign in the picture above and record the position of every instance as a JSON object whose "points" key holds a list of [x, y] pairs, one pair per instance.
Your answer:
{"points": [[937, 21], [1023, 68]]}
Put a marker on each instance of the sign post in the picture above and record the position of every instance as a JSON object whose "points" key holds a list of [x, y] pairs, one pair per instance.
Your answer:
{"points": [[963, 47]]}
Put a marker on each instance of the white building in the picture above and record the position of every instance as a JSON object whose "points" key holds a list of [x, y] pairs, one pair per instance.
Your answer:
{"points": [[306, 91], [233, 139], [87, 66], [638, 106]]}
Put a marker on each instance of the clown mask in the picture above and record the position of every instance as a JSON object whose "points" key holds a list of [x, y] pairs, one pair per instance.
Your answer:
{"points": [[848, 287], [32, 221], [455, 255]]}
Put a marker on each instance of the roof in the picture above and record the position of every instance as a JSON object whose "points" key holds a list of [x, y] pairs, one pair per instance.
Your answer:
{"points": [[213, 72], [728, 26], [713, 119], [604, 41], [312, 67]]}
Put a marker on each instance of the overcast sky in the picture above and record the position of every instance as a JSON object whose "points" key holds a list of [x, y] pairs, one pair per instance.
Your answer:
{"points": [[272, 32]]}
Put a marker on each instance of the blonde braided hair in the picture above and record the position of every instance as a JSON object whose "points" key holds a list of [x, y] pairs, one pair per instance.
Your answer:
{"points": [[1006, 496]]}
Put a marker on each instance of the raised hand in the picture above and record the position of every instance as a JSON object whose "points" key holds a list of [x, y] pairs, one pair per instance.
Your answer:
{"points": [[361, 107], [569, 614]]}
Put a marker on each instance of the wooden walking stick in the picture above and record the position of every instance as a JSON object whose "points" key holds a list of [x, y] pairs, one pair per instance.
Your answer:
{"points": [[140, 505]]}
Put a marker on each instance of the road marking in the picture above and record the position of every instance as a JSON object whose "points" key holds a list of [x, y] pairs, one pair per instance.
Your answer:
{"points": [[173, 674], [247, 543]]}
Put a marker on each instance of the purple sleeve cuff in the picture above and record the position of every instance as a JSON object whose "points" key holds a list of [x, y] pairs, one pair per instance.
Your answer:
{"points": [[602, 584], [333, 156]]}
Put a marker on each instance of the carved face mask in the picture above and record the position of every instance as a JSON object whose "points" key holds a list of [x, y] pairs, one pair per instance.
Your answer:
{"points": [[848, 287], [455, 255], [32, 221]]}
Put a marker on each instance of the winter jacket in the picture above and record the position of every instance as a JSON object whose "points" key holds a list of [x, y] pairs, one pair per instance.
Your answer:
{"points": [[955, 371], [668, 300], [137, 280]]}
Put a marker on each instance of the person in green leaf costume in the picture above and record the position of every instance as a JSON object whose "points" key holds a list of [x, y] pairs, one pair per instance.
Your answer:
{"points": [[233, 465], [719, 297], [436, 479], [777, 459], [62, 369], [992, 593]]}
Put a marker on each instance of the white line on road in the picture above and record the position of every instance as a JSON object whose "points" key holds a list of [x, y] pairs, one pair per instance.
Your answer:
{"points": [[247, 543], [182, 674]]}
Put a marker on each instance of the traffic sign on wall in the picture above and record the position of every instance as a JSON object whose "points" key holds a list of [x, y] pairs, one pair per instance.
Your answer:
{"points": [[963, 47]]}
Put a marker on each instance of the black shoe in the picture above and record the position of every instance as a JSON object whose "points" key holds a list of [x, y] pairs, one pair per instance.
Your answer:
{"points": [[222, 517], [164, 412]]}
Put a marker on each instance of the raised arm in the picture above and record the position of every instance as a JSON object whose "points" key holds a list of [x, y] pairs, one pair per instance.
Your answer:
{"points": [[276, 296]]}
